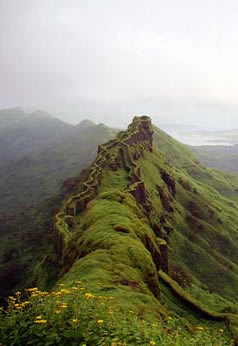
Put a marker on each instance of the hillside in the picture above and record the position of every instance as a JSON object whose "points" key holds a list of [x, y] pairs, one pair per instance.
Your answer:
{"points": [[220, 157], [148, 226], [28, 181], [10, 118], [29, 134]]}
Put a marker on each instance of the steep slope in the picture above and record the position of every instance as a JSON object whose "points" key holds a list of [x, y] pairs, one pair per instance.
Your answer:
{"points": [[31, 134], [149, 226], [28, 181], [220, 157]]}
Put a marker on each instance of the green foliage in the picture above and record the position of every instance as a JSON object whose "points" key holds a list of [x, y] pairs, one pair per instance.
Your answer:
{"points": [[72, 315]]}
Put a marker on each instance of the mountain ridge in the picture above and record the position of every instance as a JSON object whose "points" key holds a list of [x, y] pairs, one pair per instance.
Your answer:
{"points": [[148, 225]]}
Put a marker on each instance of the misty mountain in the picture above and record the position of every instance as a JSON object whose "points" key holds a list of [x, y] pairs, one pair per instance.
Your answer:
{"points": [[10, 118], [224, 158], [22, 134], [31, 179]]}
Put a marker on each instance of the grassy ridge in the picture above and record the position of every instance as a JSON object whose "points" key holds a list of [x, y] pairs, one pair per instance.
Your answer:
{"points": [[140, 207]]}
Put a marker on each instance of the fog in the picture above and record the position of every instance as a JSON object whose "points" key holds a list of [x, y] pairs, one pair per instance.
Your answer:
{"points": [[107, 60]]}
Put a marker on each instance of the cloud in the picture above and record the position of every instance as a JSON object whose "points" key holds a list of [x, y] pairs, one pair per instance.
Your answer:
{"points": [[107, 58]]}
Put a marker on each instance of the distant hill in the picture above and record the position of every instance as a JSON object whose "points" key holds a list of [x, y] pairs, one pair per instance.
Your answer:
{"points": [[224, 158], [29, 180], [10, 118], [28, 134]]}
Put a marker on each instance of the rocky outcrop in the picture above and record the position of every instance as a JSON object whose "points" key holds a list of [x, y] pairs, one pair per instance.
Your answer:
{"points": [[124, 151]]}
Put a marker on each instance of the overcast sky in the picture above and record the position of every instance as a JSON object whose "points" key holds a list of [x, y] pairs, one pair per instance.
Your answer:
{"points": [[107, 60]]}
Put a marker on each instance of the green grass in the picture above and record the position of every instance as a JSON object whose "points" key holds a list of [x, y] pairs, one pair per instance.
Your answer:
{"points": [[75, 316]]}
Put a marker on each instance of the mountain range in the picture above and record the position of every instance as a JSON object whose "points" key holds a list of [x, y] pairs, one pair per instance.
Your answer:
{"points": [[39, 153]]}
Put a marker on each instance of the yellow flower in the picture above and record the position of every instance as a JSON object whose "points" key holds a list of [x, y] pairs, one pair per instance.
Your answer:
{"points": [[63, 290], [169, 318], [152, 343], [40, 321], [89, 295], [75, 320], [26, 302], [18, 293], [199, 328], [100, 321], [32, 289], [44, 293], [64, 306], [221, 330]]}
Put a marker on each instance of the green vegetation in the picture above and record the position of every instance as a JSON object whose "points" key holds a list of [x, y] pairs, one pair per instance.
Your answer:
{"points": [[144, 206], [73, 315]]}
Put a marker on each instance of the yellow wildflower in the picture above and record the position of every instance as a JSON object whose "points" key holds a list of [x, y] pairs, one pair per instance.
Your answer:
{"points": [[34, 289], [64, 306], [89, 295], [169, 318], [100, 321], [40, 321], [44, 293], [63, 290], [152, 343], [221, 330], [75, 320], [199, 328], [26, 302]]}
